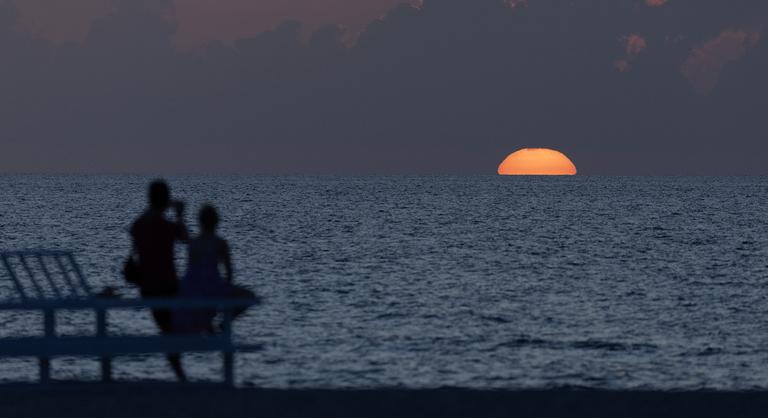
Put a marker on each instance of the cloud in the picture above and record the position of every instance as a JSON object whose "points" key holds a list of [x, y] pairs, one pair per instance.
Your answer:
{"points": [[634, 44], [517, 3], [203, 21], [655, 3], [706, 62]]}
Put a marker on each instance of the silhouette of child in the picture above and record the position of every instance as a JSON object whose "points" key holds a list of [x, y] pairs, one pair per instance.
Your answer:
{"points": [[203, 279]]}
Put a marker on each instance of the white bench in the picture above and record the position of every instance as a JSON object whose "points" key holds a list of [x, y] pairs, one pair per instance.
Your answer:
{"points": [[63, 287]]}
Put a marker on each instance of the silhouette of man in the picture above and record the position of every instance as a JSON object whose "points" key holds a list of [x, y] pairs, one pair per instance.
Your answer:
{"points": [[154, 238]]}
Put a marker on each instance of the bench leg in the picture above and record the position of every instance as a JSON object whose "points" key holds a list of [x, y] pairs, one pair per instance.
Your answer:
{"points": [[101, 331], [229, 356], [229, 368], [106, 369], [49, 326], [45, 370]]}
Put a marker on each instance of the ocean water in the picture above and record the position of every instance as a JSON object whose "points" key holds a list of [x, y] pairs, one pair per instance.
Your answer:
{"points": [[483, 282]]}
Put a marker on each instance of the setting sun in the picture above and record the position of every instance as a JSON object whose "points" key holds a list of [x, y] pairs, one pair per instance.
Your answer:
{"points": [[537, 162]]}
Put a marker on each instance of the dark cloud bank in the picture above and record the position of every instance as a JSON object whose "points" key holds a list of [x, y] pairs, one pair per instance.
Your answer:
{"points": [[452, 86]]}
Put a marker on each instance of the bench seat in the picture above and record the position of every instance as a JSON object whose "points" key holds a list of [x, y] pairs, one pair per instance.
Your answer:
{"points": [[117, 345]]}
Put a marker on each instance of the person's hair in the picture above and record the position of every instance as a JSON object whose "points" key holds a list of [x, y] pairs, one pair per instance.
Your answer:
{"points": [[159, 194], [208, 217]]}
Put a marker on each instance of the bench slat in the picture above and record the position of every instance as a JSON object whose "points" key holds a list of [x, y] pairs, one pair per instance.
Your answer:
{"points": [[118, 303], [245, 348]]}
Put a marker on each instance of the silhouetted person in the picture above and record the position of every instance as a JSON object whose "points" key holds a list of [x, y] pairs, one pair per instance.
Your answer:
{"points": [[204, 280], [154, 238]]}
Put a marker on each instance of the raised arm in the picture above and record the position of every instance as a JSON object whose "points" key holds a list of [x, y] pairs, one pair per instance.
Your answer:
{"points": [[182, 233]]}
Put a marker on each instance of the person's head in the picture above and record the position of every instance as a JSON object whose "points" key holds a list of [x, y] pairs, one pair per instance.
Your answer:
{"points": [[208, 218], [159, 195]]}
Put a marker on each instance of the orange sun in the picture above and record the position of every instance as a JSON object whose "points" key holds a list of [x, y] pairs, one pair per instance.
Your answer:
{"points": [[537, 162]]}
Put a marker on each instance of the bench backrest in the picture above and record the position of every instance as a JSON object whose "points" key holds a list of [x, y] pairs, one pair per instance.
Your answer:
{"points": [[44, 275]]}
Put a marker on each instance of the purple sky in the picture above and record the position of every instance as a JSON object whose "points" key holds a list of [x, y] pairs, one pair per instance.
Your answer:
{"points": [[443, 86]]}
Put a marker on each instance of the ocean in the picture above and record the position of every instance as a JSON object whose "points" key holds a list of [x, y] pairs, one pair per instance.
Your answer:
{"points": [[423, 282]]}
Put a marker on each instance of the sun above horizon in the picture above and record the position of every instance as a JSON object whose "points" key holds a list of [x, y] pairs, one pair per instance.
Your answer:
{"points": [[537, 162]]}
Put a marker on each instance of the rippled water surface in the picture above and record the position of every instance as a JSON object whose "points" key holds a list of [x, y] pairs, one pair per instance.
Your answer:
{"points": [[445, 281]]}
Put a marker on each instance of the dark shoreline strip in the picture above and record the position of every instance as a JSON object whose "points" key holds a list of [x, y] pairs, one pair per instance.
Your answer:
{"points": [[167, 401]]}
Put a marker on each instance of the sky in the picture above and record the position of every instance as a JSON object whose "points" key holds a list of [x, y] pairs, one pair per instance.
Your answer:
{"points": [[646, 87]]}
